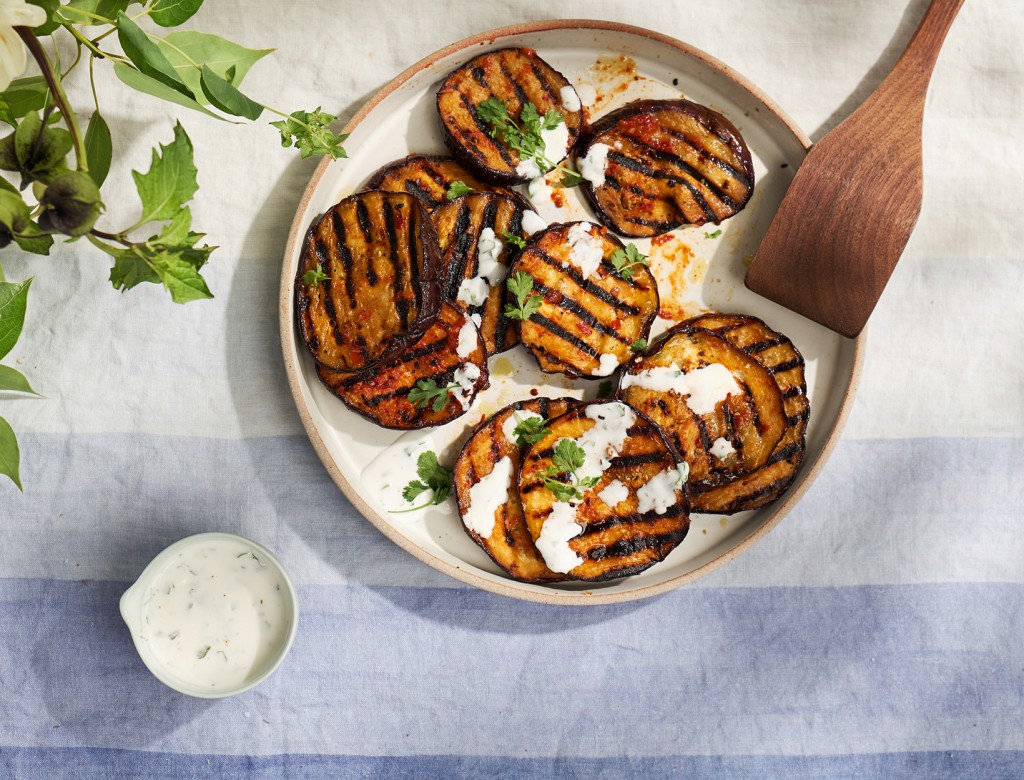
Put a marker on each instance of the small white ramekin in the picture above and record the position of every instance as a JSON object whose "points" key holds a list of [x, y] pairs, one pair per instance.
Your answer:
{"points": [[132, 610]]}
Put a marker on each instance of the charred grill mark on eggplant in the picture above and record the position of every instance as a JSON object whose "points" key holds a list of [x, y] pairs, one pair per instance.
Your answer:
{"points": [[778, 354], [382, 393], [510, 544], [379, 297], [671, 162], [614, 540], [582, 318], [515, 77], [459, 225], [428, 177]]}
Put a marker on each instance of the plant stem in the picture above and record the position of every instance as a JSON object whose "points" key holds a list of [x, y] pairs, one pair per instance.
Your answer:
{"points": [[60, 98]]}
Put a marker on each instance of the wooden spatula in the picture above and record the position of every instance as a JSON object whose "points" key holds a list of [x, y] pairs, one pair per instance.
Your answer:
{"points": [[853, 203]]}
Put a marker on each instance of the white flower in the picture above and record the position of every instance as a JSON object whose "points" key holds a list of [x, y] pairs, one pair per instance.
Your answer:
{"points": [[15, 13]]}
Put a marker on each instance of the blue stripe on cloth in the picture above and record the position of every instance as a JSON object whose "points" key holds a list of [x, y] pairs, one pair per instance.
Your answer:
{"points": [[105, 764], [101, 505], [435, 671]]}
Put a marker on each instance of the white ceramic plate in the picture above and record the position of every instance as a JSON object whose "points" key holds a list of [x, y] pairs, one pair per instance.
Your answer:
{"points": [[695, 273]]}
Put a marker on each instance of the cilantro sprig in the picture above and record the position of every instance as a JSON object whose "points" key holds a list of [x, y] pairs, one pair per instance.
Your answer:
{"points": [[567, 459], [524, 137], [627, 260], [427, 391], [520, 284], [432, 476], [640, 345], [458, 189], [529, 430]]}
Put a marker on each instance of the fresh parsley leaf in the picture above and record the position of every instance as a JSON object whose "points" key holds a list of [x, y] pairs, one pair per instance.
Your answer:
{"points": [[571, 179], [604, 390], [639, 345], [457, 189], [530, 431], [432, 476], [315, 275], [524, 137], [716, 234], [520, 284], [427, 391], [562, 490], [628, 260], [514, 240]]}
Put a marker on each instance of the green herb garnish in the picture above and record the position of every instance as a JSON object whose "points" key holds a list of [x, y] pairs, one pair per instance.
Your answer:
{"points": [[524, 137], [627, 260], [520, 284], [639, 345], [432, 476], [530, 431], [604, 390], [716, 234], [315, 275], [568, 457], [427, 391], [457, 189], [514, 240]]}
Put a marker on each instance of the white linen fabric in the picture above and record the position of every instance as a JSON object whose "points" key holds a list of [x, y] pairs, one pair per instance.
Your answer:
{"points": [[875, 633]]}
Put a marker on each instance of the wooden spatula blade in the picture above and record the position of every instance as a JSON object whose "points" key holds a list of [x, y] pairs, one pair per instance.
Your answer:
{"points": [[839, 232]]}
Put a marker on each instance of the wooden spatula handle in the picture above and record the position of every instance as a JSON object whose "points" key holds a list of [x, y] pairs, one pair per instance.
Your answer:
{"points": [[914, 67]]}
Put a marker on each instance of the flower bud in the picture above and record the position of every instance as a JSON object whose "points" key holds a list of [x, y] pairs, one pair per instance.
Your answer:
{"points": [[72, 204]]}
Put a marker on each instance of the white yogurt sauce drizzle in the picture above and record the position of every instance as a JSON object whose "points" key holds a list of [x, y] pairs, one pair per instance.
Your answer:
{"points": [[533, 222], [217, 615], [585, 250], [593, 165], [490, 271], [614, 493], [486, 496], [722, 448], [662, 491], [704, 387], [465, 377], [608, 363], [600, 444], [468, 339], [570, 100]]}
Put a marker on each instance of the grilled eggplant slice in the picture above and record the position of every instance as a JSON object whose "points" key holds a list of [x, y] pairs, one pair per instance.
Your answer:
{"points": [[778, 354], [590, 317], [373, 265], [515, 77], [474, 280], [668, 163], [428, 177], [451, 354], [635, 513], [720, 408], [492, 514]]}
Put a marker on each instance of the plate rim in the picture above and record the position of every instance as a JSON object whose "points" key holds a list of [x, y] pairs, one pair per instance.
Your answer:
{"points": [[286, 326]]}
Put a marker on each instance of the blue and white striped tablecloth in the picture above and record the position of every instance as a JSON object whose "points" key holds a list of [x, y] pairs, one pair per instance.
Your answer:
{"points": [[877, 632]]}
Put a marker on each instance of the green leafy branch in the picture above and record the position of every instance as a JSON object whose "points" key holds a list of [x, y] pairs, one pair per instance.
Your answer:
{"points": [[525, 136], [567, 459], [55, 169]]}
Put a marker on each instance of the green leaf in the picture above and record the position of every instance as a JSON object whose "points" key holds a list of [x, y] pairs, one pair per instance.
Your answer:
{"points": [[13, 302], [47, 27], [311, 134], [458, 189], [143, 83], [32, 239], [177, 268], [226, 97], [86, 11], [184, 48], [315, 275], [147, 56], [171, 13], [99, 148], [10, 456], [170, 181], [21, 97], [14, 381]]}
